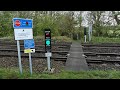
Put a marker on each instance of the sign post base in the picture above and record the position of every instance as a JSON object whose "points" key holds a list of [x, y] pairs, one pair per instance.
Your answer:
{"points": [[49, 71]]}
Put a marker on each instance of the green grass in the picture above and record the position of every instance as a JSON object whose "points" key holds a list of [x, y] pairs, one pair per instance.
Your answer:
{"points": [[66, 39], [41, 38], [14, 73], [96, 40], [62, 39], [9, 38]]}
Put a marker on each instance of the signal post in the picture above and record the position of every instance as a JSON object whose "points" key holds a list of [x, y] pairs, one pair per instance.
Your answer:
{"points": [[48, 53]]}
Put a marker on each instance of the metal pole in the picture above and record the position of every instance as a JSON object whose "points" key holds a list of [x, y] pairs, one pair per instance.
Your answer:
{"points": [[48, 61], [77, 36], [85, 38], [19, 56], [90, 31], [89, 34], [30, 63]]}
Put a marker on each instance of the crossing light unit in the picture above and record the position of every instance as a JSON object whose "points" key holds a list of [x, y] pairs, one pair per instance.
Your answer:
{"points": [[47, 40]]}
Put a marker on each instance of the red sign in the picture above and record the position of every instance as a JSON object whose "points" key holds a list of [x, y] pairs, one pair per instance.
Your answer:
{"points": [[17, 23]]}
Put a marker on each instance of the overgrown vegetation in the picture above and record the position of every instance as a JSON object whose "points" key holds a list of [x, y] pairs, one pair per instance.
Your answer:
{"points": [[64, 23], [60, 23]]}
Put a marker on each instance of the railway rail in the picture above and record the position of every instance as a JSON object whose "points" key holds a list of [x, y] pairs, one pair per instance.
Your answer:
{"points": [[36, 43], [107, 52], [102, 45], [37, 51], [102, 53], [57, 57]]}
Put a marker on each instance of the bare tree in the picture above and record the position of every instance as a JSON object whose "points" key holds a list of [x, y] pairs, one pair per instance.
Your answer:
{"points": [[95, 18], [116, 16]]}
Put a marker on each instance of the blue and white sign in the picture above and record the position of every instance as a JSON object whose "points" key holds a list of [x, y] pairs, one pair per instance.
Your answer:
{"points": [[22, 23], [29, 43]]}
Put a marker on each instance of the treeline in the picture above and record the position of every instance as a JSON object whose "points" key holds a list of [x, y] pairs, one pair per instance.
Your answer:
{"points": [[62, 23]]}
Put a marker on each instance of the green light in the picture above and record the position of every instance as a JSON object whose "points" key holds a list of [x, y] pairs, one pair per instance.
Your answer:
{"points": [[48, 42]]}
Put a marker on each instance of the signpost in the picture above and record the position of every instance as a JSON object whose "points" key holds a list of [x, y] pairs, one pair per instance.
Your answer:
{"points": [[27, 45], [22, 30], [19, 56]]}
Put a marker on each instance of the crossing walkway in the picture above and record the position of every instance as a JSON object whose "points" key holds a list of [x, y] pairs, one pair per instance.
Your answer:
{"points": [[76, 61]]}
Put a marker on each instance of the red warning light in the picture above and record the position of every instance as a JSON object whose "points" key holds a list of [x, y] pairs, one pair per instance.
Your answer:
{"points": [[17, 23], [47, 34]]}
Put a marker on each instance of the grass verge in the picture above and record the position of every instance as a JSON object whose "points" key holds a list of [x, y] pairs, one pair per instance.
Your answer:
{"points": [[41, 38], [13, 73], [97, 40]]}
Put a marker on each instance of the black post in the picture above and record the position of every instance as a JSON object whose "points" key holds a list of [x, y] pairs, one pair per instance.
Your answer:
{"points": [[85, 31]]}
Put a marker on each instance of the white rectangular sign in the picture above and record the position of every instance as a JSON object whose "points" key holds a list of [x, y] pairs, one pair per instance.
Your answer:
{"points": [[48, 54], [22, 34]]}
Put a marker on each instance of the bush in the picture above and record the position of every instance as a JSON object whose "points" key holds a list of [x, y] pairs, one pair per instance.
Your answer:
{"points": [[117, 33], [110, 33], [62, 38]]}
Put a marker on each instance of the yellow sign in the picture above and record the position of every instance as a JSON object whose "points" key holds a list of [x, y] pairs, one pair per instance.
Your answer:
{"points": [[29, 50]]}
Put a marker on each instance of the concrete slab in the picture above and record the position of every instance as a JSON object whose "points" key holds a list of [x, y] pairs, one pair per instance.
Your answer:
{"points": [[76, 60]]}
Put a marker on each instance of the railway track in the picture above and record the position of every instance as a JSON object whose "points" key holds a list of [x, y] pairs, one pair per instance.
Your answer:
{"points": [[102, 53], [94, 53], [57, 56], [102, 45], [36, 51], [10, 50], [62, 55], [14, 43], [9, 55]]}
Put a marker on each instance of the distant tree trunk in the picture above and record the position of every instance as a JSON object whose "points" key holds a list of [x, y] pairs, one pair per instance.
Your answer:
{"points": [[117, 20], [115, 16], [77, 36], [72, 36], [96, 17]]}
